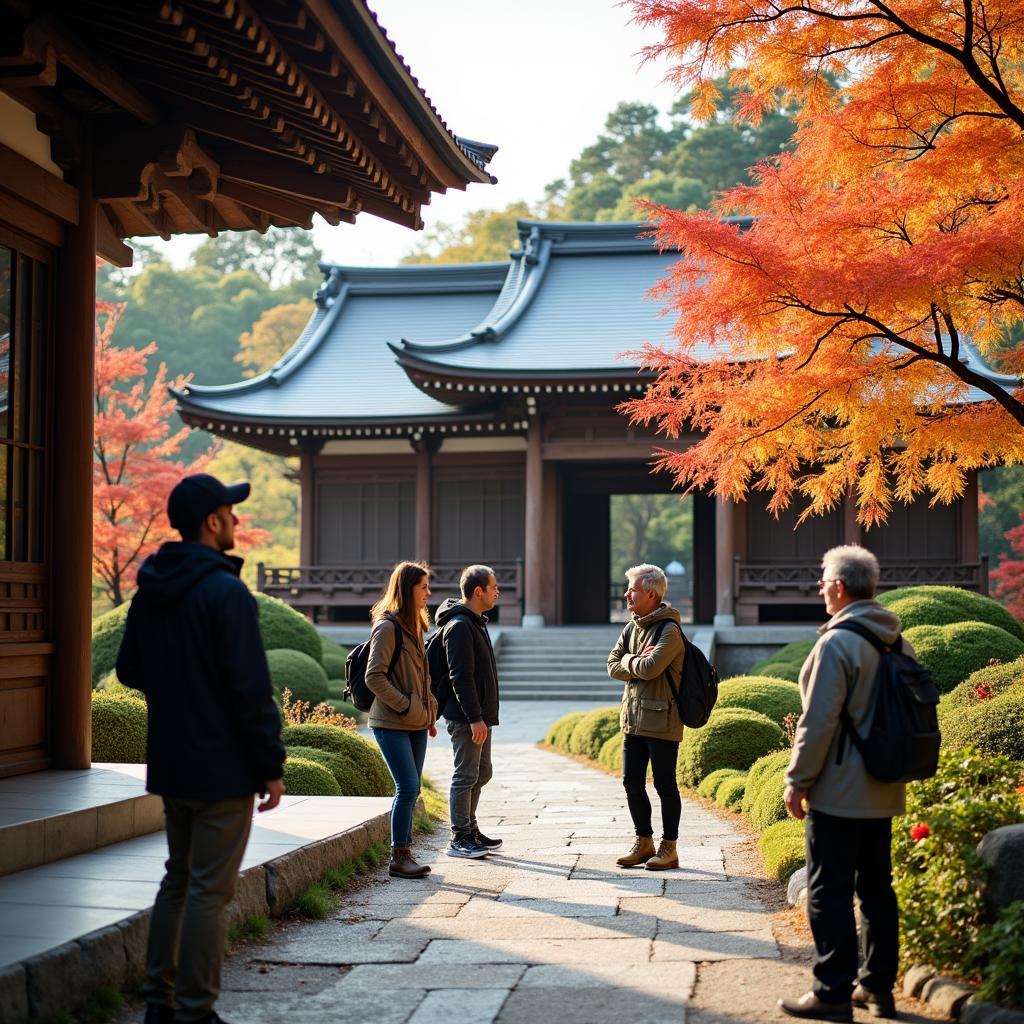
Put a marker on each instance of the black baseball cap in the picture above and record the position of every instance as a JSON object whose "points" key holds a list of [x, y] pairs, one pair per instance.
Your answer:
{"points": [[195, 497]]}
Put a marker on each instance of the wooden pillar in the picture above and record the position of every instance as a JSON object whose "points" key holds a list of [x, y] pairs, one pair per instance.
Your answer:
{"points": [[725, 551], [551, 538], [71, 560], [307, 510], [853, 532], [533, 614], [969, 539], [424, 503]]}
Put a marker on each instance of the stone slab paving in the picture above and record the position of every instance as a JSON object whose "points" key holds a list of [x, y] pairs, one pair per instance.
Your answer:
{"points": [[548, 929]]}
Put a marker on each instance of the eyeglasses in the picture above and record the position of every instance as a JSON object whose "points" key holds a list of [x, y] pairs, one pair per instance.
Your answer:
{"points": [[822, 582]]}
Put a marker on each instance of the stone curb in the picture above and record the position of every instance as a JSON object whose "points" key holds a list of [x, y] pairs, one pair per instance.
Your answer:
{"points": [[955, 998], [67, 975]]}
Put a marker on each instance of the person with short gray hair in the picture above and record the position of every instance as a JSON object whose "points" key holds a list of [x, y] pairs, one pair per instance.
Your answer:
{"points": [[847, 810]]}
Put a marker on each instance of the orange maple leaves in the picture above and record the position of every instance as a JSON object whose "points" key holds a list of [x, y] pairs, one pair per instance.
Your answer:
{"points": [[857, 318]]}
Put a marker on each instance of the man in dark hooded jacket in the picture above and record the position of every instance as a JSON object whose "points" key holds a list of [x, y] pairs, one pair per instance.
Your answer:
{"points": [[192, 644], [471, 709]]}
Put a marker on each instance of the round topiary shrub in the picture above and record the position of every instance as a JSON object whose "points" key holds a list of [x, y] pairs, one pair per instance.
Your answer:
{"points": [[784, 848], [118, 728], [995, 725], [558, 734], [709, 785], [344, 771], [786, 662], [334, 665], [762, 770], [336, 689], [773, 698], [730, 793], [370, 765], [610, 755], [951, 653], [107, 632], [303, 777], [980, 685], [942, 606], [592, 730], [343, 707], [283, 628], [298, 672], [767, 806], [732, 738]]}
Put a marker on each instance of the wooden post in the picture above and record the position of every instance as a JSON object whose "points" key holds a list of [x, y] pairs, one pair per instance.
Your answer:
{"points": [[725, 551], [853, 532], [533, 614], [424, 504], [307, 510], [969, 539], [71, 563]]}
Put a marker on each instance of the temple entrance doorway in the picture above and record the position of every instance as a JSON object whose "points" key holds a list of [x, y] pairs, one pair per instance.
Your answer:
{"points": [[616, 515]]}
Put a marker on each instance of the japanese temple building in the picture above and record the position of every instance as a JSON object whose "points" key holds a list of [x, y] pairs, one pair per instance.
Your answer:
{"points": [[468, 413], [140, 119]]}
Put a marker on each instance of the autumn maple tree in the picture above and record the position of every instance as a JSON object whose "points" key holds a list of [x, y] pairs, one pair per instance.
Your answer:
{"points": [[1008, 577], [857, 328]]}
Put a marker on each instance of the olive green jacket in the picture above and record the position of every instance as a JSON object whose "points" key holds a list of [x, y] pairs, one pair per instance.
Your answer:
{"points": [[404, 701], [648, 708]]}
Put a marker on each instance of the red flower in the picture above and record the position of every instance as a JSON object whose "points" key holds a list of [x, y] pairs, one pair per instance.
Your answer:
{"points": [[983, 692], [919, 832]]}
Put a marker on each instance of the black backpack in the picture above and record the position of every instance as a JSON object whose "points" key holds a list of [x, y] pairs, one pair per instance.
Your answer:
{"points": [[440, 678], [903, 741], [698, 688], [356, 690]]}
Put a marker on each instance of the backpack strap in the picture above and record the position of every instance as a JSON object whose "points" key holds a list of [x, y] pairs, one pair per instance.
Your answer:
{"points": [[396, 653]]}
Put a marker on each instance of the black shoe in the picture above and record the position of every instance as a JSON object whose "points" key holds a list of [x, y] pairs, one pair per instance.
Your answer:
{"points": [[158, 1013], [877, 1004], [810, 1007], [491, 844], [210, 1018]]}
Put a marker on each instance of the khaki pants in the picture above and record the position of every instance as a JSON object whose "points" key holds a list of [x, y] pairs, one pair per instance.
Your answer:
{"points": [[188, 927]]}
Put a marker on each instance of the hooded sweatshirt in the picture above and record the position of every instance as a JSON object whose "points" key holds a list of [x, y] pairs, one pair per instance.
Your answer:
{"points": [[192, 644], [842, 668], [472, 670]]}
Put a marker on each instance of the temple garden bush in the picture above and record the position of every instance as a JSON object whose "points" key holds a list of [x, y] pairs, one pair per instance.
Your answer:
{"points": [[334, 665], [345, 771], [303, 777], [367, 759], [937, 873], [767, 807], [558, 734], [774, 698], [783, 848], [943, 606], [107, 630], [610, 756], [786, 662], [709, 784], [295, 671], [732, 738], [999, 954], [592, 730], [760, 772], [343, 707], [951, 653], [730, 793], [118, 728], [283, 628], [994, 723]]}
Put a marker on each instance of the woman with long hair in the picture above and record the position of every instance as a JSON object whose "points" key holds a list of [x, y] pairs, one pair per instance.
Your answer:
{"points": [[404, 710]]}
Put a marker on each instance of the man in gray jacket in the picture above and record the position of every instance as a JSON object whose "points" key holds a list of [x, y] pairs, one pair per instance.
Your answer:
{"points": [[848, 812]]}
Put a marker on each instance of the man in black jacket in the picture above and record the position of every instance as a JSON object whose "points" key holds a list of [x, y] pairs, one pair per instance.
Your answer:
{"points": [[192, 644], [471, 709]]}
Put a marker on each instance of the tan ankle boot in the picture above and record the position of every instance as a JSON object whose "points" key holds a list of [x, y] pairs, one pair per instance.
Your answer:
{"points": [[643, 849], [666, 858], [403, 864]]}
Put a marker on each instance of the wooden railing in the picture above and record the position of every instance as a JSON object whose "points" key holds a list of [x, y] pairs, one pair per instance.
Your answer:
{"points": [[323, 586]]}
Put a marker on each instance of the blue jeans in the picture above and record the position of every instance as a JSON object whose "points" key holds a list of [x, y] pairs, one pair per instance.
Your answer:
{"points": [[404, 752]]}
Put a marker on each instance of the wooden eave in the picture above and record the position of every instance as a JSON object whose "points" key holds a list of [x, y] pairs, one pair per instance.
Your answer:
{"points": [[212, 115]]}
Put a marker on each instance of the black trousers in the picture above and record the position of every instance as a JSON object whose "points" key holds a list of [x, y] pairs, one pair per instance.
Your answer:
{"points": [[661, 755], [847, 857]]}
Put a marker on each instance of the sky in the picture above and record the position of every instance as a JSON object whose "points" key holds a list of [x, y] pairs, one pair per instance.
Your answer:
{"points": [[537, 78]]}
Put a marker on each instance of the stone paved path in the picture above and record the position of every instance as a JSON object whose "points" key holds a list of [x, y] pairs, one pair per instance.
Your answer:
{"points": [[547, 929]]}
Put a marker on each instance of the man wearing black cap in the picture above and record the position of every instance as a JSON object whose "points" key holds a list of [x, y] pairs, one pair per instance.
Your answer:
{"points": [[192, 644]]}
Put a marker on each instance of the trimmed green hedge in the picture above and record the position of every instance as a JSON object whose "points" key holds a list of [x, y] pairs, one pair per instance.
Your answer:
{"points": [[784, 848], [951, 653], [767, 807], [774, 698], [118, 728], [345, 771], [592, 731], [107, 631], [283, 628], [303, 777], [943, 606], [558, 734], [298, 672], [336, 689], [610, 756], [376, 779], [709, 785], [994, 726], [334, 665], [996, 678], [730, 793], [761, 771], [343, 707], [786, 662], [732, 738]]}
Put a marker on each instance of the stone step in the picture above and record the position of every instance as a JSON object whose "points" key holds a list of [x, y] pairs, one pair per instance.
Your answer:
{"points": [[580, 696], [565, 674]]}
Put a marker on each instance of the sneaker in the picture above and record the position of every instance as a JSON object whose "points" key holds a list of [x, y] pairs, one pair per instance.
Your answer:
{"points": [[482, 840], [466, 846]]}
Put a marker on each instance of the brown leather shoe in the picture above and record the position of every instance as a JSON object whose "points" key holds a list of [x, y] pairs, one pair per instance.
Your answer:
{"points": [[643, 849], [666, 857], [810, 1007], [403, 864], [877, 1004]]}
